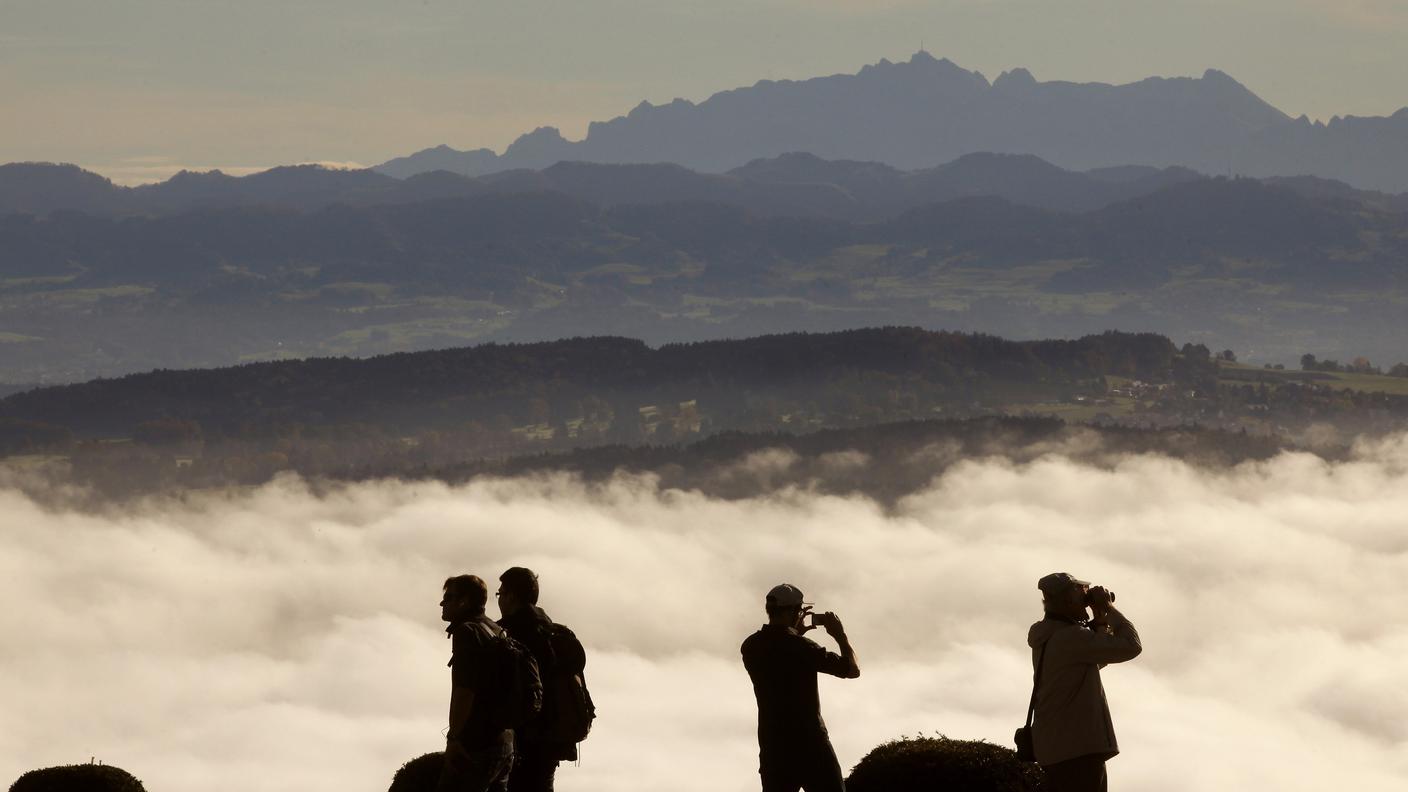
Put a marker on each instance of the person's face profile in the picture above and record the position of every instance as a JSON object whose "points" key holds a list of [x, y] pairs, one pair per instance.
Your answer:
{"points": [[508, 603], [449, 606], [1078, 595]]}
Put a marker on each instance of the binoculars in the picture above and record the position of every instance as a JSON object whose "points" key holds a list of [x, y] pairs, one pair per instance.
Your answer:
{"points": [[1090, 601]]}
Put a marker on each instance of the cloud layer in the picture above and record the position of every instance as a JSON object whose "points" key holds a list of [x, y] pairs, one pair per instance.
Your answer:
{"points": [[282, 639]]}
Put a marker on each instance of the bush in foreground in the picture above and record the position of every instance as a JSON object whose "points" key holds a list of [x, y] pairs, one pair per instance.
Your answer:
{"points": [[932, 764], [78, 778], [418, 775]]}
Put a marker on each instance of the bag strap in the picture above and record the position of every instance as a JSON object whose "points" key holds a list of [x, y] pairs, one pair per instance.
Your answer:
{"points": [[1036, 680]]}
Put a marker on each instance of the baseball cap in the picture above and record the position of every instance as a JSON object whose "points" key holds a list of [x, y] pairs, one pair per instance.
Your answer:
{"points": [[1057, 582], [785, 595]]}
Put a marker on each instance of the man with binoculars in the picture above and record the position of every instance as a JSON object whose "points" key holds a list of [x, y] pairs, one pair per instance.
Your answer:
{"points": [[1072, 733]]}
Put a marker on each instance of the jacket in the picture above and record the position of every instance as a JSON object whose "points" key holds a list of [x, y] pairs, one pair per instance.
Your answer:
{"points": [[531, 627], [1072, 716]]}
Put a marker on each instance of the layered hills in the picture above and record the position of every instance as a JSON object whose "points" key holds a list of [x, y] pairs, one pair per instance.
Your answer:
{"points": [[926, 110], [791, 184], [595, 405], [443, 389], [1273, 270]]}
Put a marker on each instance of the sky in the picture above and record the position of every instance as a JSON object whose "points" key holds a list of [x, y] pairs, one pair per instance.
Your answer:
{"points": [[141, 88], [281, 639]]}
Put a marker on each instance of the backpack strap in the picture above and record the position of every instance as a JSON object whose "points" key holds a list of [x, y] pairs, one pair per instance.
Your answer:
{"points": [[492, 630], [1036, 680]]}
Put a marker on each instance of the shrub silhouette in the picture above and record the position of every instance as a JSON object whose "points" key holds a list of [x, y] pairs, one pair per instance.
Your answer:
{"points": [[418, 775], [78, 778], [929, 764]]}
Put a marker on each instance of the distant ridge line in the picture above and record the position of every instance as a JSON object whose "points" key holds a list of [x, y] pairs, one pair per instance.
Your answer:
{"points": [[925, 110]]}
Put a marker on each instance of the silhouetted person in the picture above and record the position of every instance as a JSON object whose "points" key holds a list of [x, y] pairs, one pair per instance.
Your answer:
{"points": [[794, 749], [478, 755], [538, 756], [1072, 733]]}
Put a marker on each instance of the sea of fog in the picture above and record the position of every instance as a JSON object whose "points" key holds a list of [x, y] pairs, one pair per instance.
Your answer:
{"points": [[283, 638]]}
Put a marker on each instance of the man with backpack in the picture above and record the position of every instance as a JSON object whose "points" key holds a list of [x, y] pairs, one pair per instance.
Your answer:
{"points": [[567, 707], [478, 747]]}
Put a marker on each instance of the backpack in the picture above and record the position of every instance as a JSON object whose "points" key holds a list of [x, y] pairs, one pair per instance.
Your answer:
{"points": [[572, 710], [520, 686]]}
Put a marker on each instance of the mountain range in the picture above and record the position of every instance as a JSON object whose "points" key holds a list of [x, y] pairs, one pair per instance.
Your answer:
{"points": [[793, 184], [1272, 270], [912, 115]]}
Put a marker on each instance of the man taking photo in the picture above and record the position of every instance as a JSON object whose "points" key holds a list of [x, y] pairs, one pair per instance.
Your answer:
{"points": [[1072, 733], [794, 749]]}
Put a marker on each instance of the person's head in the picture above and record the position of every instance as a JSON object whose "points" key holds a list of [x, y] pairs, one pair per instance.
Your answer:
{"points": [[518, 589], [464, 598], [785, 605], [1063, 595]]}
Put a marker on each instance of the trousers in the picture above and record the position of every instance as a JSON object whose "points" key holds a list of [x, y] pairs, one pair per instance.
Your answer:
{"points": [[1081, 774], [476, 770], [533, 767], [814, 769]]}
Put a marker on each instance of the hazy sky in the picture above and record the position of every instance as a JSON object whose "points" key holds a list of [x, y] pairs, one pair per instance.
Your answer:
{"points": [[139, 87], [274, 640]]}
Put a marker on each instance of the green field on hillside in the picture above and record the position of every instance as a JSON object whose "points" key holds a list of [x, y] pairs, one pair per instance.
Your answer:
{"points": [[1241, 373]]}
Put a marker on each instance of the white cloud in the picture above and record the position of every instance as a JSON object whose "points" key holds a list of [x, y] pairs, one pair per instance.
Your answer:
{"points": [[275, 639]]}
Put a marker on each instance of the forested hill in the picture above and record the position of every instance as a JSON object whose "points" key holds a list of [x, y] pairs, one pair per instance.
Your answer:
{"points": [[584, 378]]}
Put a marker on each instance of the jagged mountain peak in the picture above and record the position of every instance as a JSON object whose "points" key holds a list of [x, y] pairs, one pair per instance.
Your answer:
{"points": [[921, 64], [539, 148], [646, 107], [924, 59], [542, 133], [1018, 77], [925, 110], [1225, 81]]}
